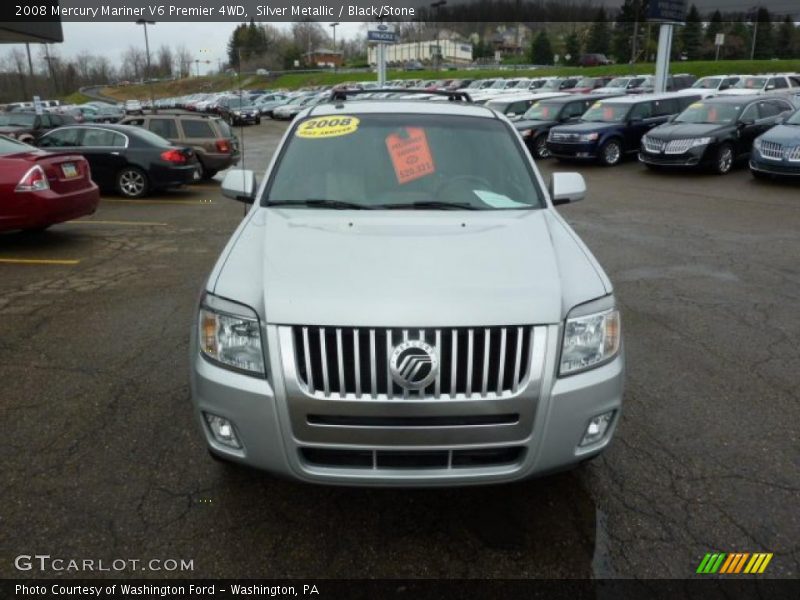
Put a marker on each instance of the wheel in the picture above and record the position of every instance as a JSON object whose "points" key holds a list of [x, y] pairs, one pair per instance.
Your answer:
{"points": [[723, 160], [540, 147], [611, 153], [132, 182]]}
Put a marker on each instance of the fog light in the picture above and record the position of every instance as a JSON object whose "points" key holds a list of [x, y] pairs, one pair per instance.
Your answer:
{"points": [[597, 428], [222, 430]]}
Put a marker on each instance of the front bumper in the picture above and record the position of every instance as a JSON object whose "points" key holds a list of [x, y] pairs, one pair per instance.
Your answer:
{"points": [[271, 419], [775, 167], [574, 151], [691, 158]]}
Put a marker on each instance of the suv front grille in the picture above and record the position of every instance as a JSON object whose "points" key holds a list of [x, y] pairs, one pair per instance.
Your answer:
{"points": [[412, 459], [343, 362]]}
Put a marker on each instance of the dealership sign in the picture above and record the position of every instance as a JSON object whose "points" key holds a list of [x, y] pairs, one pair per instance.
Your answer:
{"points": [[666, 11], [382, 33]]}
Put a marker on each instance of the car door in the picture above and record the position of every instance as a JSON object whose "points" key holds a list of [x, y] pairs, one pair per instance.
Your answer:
{"points": [[105, 151], [749, 126], [640, 121]]}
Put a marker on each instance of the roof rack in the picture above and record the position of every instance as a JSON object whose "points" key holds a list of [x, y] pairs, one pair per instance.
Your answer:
{"points": [[451, 96]]}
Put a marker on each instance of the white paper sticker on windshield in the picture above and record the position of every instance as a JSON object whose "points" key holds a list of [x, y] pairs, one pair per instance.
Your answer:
{"points": [[497, 200]]}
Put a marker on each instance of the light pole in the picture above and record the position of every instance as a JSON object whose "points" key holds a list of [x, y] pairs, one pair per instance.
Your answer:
{"points": [[145, 23], [334, 26], [436, 6]]}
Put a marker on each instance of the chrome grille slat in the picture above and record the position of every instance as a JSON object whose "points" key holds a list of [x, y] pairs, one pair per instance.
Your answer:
{"points": [[352, 363], [772, 150]]}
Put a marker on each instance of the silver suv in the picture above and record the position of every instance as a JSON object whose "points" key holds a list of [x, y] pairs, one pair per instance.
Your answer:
{"points": [[403, 305]]}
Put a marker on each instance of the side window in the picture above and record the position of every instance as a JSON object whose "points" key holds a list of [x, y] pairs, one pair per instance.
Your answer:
{"points": [[164, 127], [684, 101], [766, 110], [61, 138], [749, 114], [42, 120], [56, 120], [729, 82], [136, 122], [195, 128], [103, 138], [662, 108], [794, 81], [778, 83], [575, 109], [642, 111]]}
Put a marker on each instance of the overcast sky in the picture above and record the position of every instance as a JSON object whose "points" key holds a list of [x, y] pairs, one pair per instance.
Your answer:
{"points": [[111, 39]]}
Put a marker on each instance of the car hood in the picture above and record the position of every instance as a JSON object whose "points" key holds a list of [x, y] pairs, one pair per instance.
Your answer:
{"points": [[783, 134], [680, 131], [409, 268], [525, 124], [739, 92], [585, 127]]}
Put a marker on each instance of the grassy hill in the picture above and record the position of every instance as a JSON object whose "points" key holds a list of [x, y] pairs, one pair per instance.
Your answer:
{"points": [[216, 83]]}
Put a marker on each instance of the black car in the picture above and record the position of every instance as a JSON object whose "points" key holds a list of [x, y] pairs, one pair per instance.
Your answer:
{"points": [[238, 110], [612, 128], [536, 123], [715, 132], [28, 127], [126, 159]]}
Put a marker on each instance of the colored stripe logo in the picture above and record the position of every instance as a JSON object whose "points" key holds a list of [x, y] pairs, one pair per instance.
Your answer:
{"points": [[734, 563]]}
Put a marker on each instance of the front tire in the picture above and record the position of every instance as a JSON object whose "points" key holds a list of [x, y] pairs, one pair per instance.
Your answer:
{"points": [[723, 160], [611, 153], [132, 182], [540, 149]]}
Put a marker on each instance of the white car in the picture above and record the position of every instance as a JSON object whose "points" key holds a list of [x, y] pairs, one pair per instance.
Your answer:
{"points": [[762, 84]]}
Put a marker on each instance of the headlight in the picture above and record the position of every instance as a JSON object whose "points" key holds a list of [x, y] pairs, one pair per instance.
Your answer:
{"points": [[237, 112], [589, 341], [588, 137], [704, 141], [757, 144], [230, 334]]}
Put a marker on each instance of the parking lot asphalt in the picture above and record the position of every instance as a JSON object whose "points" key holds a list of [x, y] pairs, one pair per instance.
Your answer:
{"points": [[103, 458]]}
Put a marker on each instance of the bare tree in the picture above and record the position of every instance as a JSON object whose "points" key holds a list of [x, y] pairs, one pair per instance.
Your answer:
{"points": [[183, 60], [133, 63], [18, 64], [164, 61]]}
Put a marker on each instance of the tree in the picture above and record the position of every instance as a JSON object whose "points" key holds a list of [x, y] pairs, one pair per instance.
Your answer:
{"points": [[692, 34], [183, 61], [598, 34], [541, 49], [764, 37], [572, 48], [785, 40], [164, 61], [628, 30]]}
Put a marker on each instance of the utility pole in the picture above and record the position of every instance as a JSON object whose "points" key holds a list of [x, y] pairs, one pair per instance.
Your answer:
{"points": [[147, 73], [30, 61], [334, 26], [755, 34], [438, 58]]}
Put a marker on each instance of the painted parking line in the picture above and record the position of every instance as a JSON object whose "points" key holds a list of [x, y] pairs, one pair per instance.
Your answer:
{"points": [[121, 201], [32, 261], [98, 222]]}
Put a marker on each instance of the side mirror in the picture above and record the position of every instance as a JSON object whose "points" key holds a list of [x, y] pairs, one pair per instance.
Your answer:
{"points": [[567, 187], [240, 184]]}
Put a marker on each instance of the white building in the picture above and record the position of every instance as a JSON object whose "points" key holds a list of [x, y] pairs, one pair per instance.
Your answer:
{"points": [[424, 51]]}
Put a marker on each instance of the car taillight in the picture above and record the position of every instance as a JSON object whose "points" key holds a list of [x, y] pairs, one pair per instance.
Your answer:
{"points": [[174, 156], [33, 181], [223, 146]]}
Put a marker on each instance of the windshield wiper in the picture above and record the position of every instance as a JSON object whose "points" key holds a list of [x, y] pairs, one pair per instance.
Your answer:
{"points": [[321, 203], [434, 204]]}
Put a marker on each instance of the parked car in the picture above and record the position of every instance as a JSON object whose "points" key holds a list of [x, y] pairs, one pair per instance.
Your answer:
{"points": [[213, 142], [39, 189], [548, 112], [559, 84], [238, 110], [777, 152], [511, 366], [620, 85], [674, 84], [717, 83], [762, 84], [513, 106], [292, 108], [129, 160], [133, 107], [613, 128], [714, 133], [593, 60], [102, 113], [28, 127], [586, 85], [269, 102]]}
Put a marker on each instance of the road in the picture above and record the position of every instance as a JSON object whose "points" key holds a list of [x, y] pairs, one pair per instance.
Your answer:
{"points": [[103, 459]]}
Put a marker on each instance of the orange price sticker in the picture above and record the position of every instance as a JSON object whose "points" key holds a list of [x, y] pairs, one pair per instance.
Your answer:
{"points": [[411, 156]]}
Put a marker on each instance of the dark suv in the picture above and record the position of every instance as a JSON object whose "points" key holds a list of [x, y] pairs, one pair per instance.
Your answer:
{"points": [[238, 110], [28, 126], [714, 132], [612, 128], [210, 137]]}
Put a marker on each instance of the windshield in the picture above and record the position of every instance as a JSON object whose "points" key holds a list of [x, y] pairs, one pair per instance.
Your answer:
{"points": [[17, 120], [475, 84], [553, 84], [707, 83], [751, 83], [586, 82], [543, 111], [708, 112], [601, 112], [9, 146], [499, 84], [239, 103], [402, 161], [794, 119]]}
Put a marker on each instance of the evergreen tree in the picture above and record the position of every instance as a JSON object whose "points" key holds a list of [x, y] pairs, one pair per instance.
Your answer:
{"points": [[572, 48], [714, 26], [764, 37], [785, 41], [630, 13], [542, 50], [692, 34], [599, 34]]}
